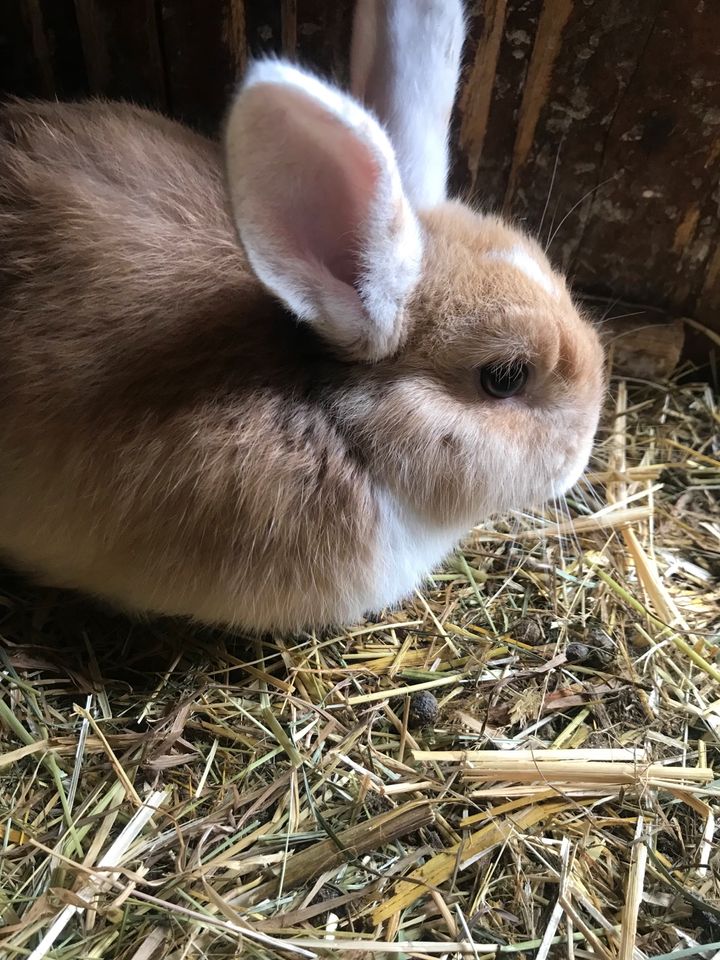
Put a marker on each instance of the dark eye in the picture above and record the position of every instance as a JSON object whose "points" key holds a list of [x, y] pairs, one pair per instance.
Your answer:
{"points": [[503, 380]]}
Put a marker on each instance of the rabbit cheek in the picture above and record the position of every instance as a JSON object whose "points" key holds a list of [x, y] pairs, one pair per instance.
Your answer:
{"points": [[575, 461]]}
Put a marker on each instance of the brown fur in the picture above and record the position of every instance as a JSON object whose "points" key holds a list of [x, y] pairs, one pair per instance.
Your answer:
{"points": [[172, 440]]}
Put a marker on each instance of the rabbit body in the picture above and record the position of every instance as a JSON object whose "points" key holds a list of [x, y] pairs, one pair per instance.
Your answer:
{"points": [[164, 442], [172, 438]]}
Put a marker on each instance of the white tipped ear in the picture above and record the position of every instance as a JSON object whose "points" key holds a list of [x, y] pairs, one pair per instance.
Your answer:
{"points": [[405, 65], [320, 209]]}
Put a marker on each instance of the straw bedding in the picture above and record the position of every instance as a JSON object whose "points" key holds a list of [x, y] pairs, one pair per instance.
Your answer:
{"points": [[519, 762]]}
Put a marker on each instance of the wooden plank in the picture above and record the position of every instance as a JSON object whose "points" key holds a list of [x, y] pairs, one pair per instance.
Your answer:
{"points": [[610, 106], [263, 19], [33, 16], [288, 27], [204, 50], [547, 48], [206, 46], [63, 46], [584, 55], [121, 46], [643, 348], [485, 26], [653, 233], [708, 305], [40, 53], [513, 62], [323, 36], [236, 33], [18, 68]]}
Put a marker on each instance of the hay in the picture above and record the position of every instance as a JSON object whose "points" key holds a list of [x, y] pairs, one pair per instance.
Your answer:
{"points": [[171, 792]]}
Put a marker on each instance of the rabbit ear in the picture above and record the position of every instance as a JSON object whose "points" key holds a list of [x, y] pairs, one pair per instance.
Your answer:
{"points": [[320, 209], [404, 65]]}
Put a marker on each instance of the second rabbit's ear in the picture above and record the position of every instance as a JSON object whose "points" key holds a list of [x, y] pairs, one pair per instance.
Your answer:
{"points": [[405, 65], [320, 209]]}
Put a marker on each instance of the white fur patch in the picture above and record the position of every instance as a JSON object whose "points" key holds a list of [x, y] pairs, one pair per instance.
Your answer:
{"points": [[417, 62], [408, 550], [519, 258]]}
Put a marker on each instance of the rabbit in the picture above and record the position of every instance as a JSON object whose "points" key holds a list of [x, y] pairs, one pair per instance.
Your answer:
{"points": [[270, 382]]}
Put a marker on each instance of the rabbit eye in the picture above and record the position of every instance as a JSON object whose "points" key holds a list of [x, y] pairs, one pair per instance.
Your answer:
{"points": [[503, 380]]}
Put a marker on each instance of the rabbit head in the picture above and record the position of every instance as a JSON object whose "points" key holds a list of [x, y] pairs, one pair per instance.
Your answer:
{"points": [[471, 383]]}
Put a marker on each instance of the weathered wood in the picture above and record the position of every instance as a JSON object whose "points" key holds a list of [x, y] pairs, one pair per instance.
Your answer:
{"points": [[204, 51], [511, 69], [596, 123], [288, 27], [546, 51], [614, 147], [486, 22], [323, 36], [583, 57], [652, 232], [19, 69], [264, 29], [708, 305], [64, 49], [121, 46], [40, 51], [33, 16]]}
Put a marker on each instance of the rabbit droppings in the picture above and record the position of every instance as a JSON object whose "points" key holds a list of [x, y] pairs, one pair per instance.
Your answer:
{"points": [[272, 383]]}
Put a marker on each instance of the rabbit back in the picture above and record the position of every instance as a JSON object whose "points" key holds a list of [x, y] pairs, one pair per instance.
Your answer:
{"points": [[163, 442]]}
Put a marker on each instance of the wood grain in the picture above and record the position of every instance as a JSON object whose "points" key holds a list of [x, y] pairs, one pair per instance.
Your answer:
{"points": [[596, 123], [40, 50], [323, 36], [121, 47], [652, 233], [264, 33], [583, 58], [516, 48], [204, 53], [546, 49], [487, 22]]}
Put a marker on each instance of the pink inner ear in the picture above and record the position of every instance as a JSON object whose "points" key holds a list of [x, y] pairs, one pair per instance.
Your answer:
{"points": [[327, 180]]}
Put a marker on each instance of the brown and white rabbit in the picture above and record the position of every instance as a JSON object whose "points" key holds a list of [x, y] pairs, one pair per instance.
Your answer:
{"points": [[292, 428]]}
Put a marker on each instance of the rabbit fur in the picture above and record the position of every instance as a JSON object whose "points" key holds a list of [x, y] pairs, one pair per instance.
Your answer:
{"points": [[240, 380]]}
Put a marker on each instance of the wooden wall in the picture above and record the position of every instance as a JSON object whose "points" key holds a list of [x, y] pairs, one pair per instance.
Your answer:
{"points": [[595, 122]]}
